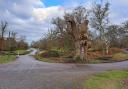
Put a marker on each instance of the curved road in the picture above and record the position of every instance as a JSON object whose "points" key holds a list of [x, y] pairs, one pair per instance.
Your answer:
{"points": [[28, 73]]}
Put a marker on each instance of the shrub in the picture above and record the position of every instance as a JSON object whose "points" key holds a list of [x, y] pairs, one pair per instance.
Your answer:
{"points": [[38, 57], [77, 59], [51, 53]]}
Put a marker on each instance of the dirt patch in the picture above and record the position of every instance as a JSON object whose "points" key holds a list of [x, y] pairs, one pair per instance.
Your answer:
{"points": [[125, 83]]}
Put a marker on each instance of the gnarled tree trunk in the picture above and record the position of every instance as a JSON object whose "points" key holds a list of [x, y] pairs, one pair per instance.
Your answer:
{"points": [[80, 36], [77, 49]]}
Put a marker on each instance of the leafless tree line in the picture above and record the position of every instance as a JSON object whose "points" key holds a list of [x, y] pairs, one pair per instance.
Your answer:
{"points": [[8, 39]]}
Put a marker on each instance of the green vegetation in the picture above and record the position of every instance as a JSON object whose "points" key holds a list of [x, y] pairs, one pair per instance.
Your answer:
{"points": [[49, 56], [67, 57], [22, 52], [40, 58], [51, 53], [95, 61], [107, 80], [120, 56], [56, 56], [7, 58]]}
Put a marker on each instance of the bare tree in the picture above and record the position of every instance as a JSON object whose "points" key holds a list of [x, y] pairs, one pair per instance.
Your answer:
{"points": [[73, 29], [126, 27], [22, 44], [13, 35], [77, 27], [100, 21], [3, 28], [61, 34], [13, 43]]}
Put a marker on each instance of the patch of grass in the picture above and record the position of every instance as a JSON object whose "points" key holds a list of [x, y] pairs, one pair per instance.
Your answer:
{"points": [[120, 56], [22, 52], [51, 53], [95, 61], [7, 58], [38, 57], [107, 80]]}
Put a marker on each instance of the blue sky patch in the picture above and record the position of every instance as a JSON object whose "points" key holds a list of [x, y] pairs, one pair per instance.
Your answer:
{"points": [[48, 3]]}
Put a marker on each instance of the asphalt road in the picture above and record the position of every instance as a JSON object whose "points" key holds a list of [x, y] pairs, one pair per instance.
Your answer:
{"points": [[28, 73]]}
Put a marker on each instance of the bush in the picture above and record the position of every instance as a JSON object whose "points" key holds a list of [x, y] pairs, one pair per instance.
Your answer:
{"points": [[51, 53], [54, 53], [38, 57], [78, 60]]}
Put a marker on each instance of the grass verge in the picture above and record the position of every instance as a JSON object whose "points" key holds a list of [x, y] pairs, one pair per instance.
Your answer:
{"points": [[107, 80], [7, 58], [22, 52]]}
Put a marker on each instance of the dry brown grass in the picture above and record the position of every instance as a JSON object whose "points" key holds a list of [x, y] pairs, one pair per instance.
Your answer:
{"points": [[125, 83], [120, 56], [97, 54], [115, 54]]}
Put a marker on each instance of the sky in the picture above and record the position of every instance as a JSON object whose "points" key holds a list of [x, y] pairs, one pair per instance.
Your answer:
{"points": [[31, 18]]}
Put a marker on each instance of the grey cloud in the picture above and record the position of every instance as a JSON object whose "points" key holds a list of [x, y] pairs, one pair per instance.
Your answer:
{"points": [[19, 14], [118, 11]]}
